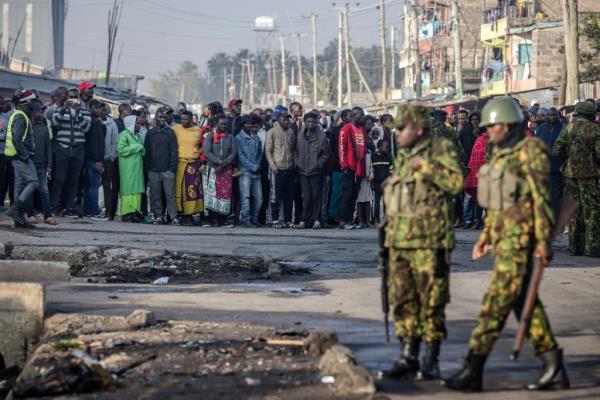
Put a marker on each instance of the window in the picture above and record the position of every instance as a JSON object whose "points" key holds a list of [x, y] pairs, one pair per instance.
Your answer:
{"points": [[525, 52], [29, 28]]}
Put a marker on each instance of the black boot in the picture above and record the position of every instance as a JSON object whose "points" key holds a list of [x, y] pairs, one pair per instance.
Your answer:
{"points": [[16, 212], [470, 378], [407, 364], [554, 373], [430, 366]]}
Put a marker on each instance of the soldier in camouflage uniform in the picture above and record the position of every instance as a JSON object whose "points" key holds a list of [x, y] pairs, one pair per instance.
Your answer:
{"points": [[579, 144], [513, 188], [419, 238]]}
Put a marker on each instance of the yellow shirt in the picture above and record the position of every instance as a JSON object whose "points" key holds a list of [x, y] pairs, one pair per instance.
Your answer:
{"points": [[188, 141]]}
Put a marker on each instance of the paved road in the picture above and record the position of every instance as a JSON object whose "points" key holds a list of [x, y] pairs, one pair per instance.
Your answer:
{"points": [[342, 293]]}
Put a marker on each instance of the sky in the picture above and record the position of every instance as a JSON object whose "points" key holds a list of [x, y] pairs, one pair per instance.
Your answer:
{"points": [[155, 35]]}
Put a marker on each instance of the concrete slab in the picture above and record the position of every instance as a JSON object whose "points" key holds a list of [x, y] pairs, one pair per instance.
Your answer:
{"points": [[33, 271], [21, 319]]}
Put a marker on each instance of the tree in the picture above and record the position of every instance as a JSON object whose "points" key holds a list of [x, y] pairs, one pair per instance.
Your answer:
{"points": [[570, 21], [590, 31], [186, 84], [114, 19]]}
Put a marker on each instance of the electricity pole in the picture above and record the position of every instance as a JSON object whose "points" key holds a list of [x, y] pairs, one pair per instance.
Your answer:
{"points": [[570, 18], [393, 57], [313, 18], [457, 51], [283, 75], [347, 54], [415, 47], [340, 65], [383, 50], [299, 63]]}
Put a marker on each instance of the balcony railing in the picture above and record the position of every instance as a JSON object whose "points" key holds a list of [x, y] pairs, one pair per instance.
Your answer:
{"points": [[512, 9]]}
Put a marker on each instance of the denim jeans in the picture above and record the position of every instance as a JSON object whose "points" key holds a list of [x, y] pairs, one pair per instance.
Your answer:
{"points": [[471, 210], [250, 188], [26, 180], [43, 191], [92, 185]]}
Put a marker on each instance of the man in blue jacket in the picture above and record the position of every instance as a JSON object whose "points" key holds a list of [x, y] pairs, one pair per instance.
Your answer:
{"points": [[250, 154], [548, 132]]}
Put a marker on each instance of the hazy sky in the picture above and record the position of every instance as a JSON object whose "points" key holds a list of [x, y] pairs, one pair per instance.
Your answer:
{"points": [[157, 35]]}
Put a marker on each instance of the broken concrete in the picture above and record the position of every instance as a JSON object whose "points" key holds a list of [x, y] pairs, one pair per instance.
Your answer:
{"points": [[33, 271], [141, 319], [21, 319], [349, 377]]}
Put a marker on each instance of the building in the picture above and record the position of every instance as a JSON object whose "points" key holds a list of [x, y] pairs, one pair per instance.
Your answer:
{"points": [[32, 34], [522, 42], [436, 51]]}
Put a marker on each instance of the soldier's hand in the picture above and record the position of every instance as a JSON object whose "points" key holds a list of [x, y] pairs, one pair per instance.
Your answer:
{"points": [[543, 254], [416, 163], [480, 249]]}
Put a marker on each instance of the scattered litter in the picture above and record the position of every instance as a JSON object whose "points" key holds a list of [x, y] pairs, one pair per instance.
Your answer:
{"points": [[163, 280], [328, 379], [252, 381]]}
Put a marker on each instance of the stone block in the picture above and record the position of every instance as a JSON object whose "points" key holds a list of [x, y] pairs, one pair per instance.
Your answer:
{"points": [[21, 319], [33, 271], [141, 319]]}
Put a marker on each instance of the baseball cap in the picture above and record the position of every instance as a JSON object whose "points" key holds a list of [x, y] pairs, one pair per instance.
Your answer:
{"points": [[85, 84], [233, 102]]}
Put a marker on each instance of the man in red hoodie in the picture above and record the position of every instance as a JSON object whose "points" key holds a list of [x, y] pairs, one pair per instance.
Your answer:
{"points": [[352, 151]]}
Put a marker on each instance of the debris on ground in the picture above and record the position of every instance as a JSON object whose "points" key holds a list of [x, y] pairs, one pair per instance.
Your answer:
{"points": [[103, 264], [105, 357]]}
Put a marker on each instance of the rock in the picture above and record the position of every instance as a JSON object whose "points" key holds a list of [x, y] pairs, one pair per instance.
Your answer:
{"points": [[334, 357], [2, 249], [274, 271], [141, 319], [163, 280], [339, 362], [320, 340]]}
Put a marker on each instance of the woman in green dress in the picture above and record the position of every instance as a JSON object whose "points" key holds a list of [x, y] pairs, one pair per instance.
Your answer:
{"points": [[131, 173]]}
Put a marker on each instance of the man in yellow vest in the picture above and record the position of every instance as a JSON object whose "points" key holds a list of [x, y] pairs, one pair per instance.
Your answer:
{"points": [[19, 149]]}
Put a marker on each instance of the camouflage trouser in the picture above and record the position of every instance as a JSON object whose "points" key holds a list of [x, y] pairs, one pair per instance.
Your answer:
{"points": [[506, 293], [584, 228], [418, 292]]}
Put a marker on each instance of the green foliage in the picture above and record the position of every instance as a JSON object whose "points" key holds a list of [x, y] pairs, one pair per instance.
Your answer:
{"points": [[590, 31], [186, 84]]}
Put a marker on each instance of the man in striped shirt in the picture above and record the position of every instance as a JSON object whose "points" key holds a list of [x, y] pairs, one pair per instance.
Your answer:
{"points": [[71, 124]]}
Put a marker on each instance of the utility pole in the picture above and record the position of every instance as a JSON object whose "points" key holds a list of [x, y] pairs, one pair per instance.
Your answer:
{"points": [[457, 51], [393, 57], [383, 50], [274, 75], [313, 18], [283, 74], [347, 54], [570, 21], [414, 36], [224, 85], [250, 67], [340, 62], [299, 63], [362, 78]]}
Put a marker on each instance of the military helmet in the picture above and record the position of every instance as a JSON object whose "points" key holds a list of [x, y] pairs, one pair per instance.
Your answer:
{"points": [[418, 115], [585, 108], [501, 110]]}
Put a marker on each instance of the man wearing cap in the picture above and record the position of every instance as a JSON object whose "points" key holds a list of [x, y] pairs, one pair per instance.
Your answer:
{"points": [[419, 238], [513, 189], [280, 148], [234, 125], [579, 145], [86, 90], [20, 148]]}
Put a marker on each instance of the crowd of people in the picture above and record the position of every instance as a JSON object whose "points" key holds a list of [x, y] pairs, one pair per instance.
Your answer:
{"points": [[285, 167]]}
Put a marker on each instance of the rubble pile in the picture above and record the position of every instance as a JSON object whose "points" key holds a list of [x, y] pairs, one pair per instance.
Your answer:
{"points": [[101, 264], [123, 357]]}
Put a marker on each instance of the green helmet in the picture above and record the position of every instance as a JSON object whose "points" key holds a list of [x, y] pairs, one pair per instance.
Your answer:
{"points": [[417, 114], [584, 108], [501, 110]]}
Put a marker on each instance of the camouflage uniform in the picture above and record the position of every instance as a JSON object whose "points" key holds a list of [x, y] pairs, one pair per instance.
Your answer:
{"points": [[579, 145], [420, 236], [513, 187]]}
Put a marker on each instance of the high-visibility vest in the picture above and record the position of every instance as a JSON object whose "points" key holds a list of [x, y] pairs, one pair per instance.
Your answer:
{"points": [[10, 150]]}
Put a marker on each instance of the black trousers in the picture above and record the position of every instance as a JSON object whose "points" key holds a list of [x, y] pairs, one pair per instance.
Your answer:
{"points": [[350, 189], [266, 190], [312, 197], [298, 202], [110, 185], [66, 172], [7, 180], [284, 193], [378, 191]]}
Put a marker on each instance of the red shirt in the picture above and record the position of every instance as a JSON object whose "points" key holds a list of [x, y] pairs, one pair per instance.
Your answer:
{"points": [[352, 149], [477, 160]]}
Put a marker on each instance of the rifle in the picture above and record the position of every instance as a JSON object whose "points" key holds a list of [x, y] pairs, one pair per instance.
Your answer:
{"points": [[384, 268], [568, 207]]}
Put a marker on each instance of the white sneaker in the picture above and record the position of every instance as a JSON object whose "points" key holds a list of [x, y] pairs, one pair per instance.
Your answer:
{"points": [[317, 225], [349, 227]]}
